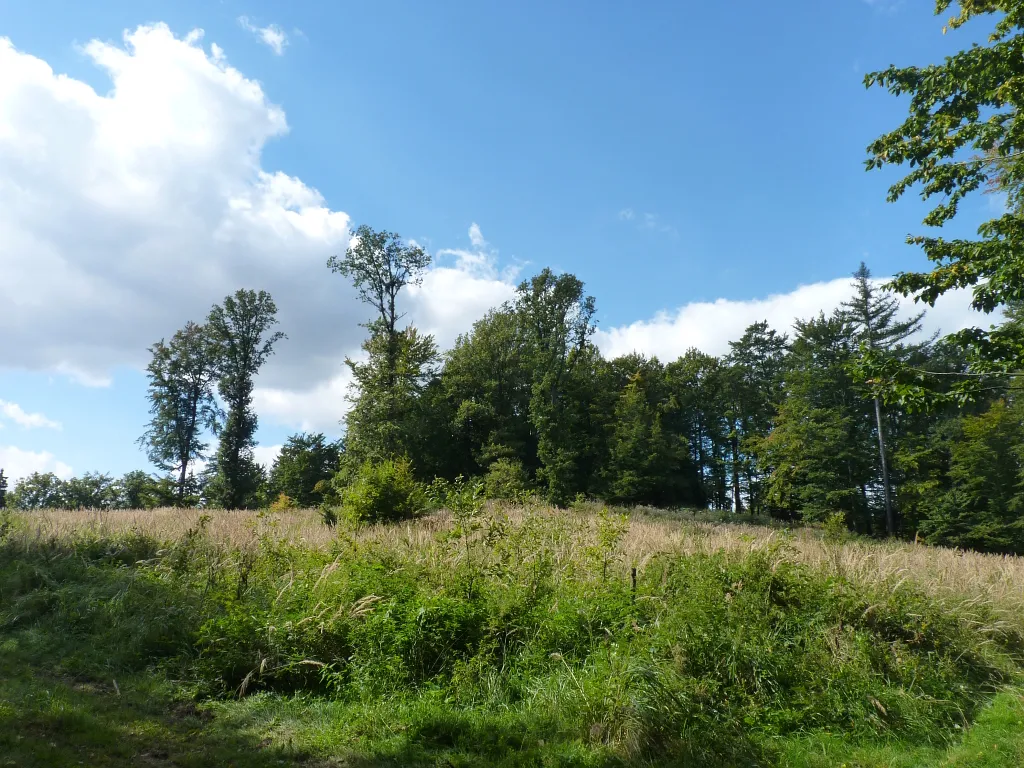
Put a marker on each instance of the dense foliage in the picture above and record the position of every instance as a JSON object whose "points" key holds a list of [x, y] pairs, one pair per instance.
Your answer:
{"points": [[507, 637], [780, 426], [964, 133]]}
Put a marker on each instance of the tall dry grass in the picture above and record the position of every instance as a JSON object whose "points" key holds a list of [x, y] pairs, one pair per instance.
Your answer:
{"points": [[962, 578]]}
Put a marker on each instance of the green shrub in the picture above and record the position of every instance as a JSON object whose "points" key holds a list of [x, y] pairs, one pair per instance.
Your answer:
{"points": [[501, 632], [283, 503], [836, 530], [506, 479], [383, 492]]}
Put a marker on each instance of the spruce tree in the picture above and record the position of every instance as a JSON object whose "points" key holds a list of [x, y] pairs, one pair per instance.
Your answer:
{"points": [[647, 463], [753, 385], [817, 449], [982, 506], [873, 314], [696, 409]]}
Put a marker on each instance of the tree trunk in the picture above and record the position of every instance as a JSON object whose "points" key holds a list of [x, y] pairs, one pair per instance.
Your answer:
{"points": [[181, 482], [737, 502], [890, 518]]}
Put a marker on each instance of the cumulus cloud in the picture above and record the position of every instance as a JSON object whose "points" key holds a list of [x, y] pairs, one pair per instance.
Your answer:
{"points": [[271, 35], [318, 408], [454, 295], [18, 463], [127, 211], [266, 454], [19, 416], [460, 288], [710, 325]]}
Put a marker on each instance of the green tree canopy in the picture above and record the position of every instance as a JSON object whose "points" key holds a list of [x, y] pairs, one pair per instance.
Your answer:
{"points": [[964, 130], [241, 330], [306, 463], [181, 378]]}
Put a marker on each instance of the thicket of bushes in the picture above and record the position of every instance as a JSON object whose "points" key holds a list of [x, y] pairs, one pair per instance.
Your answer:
{"points": [[527, 623]]}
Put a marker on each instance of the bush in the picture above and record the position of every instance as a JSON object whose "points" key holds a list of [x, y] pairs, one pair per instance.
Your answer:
{"points": [[282, 503], [383, 492], [506, 479]]}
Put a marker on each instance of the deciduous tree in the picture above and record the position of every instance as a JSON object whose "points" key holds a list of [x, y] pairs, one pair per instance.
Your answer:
{"points": [[964, 130], [241, 330], [181, 378]]}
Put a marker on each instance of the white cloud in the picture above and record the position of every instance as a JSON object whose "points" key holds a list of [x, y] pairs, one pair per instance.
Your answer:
{"points": [[271, 35], [476, 237], [451, 298], [18, 463], [19, 416], [266, 454], [317, 408], [126, 212], [711, 325]]}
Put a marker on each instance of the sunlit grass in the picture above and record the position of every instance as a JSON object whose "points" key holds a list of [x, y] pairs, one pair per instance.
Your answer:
{"points": [[188, 637]]}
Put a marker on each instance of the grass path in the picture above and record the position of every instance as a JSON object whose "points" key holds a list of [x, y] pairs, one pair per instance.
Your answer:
{"points": [[53, 721]]}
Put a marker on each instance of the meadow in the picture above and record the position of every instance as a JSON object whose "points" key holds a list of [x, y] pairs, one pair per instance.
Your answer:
{"points": [[502, 635]]}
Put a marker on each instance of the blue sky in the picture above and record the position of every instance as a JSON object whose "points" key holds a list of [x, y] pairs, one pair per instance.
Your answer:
{"points": [[672, 155]]}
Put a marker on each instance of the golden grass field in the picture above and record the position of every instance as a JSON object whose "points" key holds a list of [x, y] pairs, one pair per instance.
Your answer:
{"points": [[961, 578]]}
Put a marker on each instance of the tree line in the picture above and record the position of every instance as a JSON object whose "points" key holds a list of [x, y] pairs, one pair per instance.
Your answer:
{"points": [[777, 427], [851, 416]]}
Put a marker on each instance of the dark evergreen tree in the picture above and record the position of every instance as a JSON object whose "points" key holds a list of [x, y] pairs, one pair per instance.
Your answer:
{"points": [[819, 448], [304, 466], [979, 504], [696, 409], [873, 314], [647, 463], [753, 386]]}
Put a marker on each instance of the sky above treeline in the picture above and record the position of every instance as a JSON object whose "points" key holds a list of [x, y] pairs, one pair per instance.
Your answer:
{"points": [[699, 167]]}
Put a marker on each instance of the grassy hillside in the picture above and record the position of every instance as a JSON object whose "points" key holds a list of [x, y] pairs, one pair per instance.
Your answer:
{"points": [[520, 636]]}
